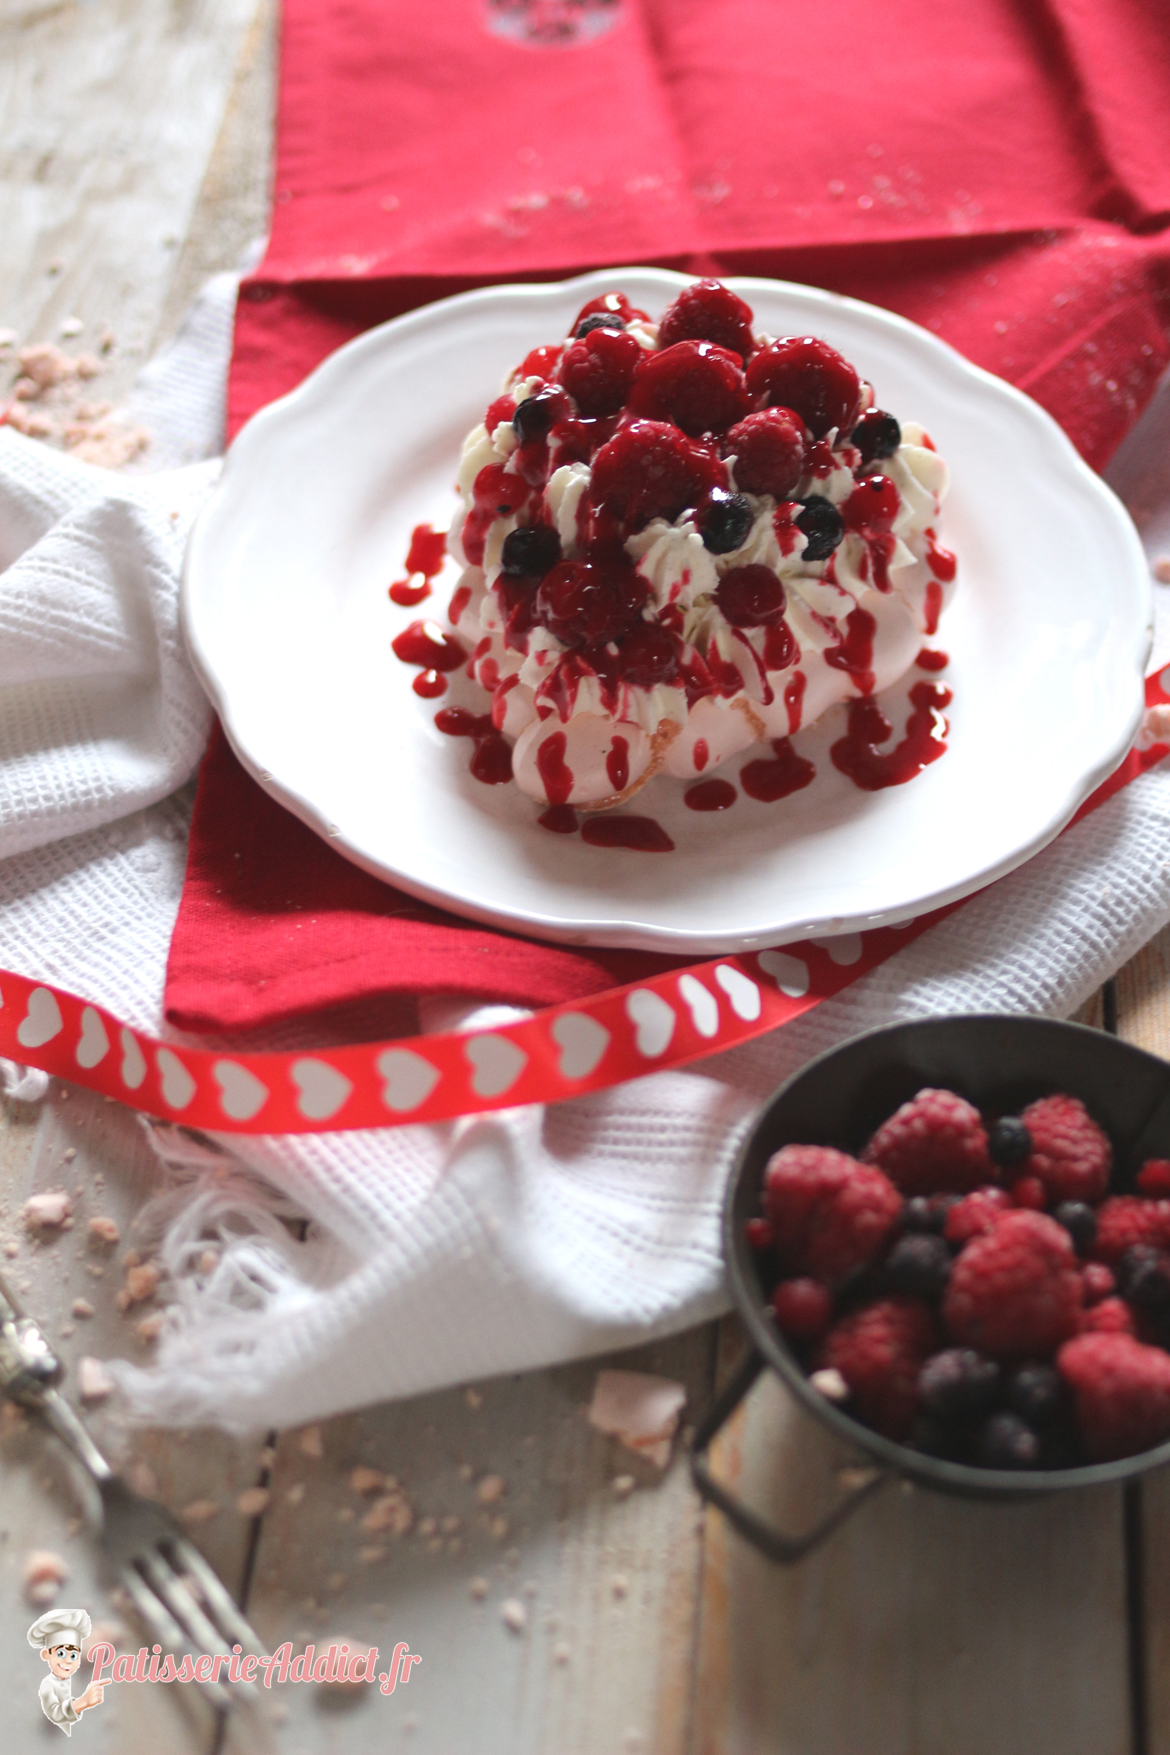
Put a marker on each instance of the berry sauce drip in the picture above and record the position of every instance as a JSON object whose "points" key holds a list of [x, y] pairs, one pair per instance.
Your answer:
{"points": [[711, 795], [638, 834], [858, 755], [932, 606], [430, 684], [701, 754], [940, 560], [425, 556], [429, 645], [491, 759], [794, 700], [786, 773], [559, 819], [617, 764], [553, 769], [854, 655], [928, 660]]}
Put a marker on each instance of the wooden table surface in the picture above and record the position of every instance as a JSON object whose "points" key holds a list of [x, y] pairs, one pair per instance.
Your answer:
{"points": [[134, 153]]}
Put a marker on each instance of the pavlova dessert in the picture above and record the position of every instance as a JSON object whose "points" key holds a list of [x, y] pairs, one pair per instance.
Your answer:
{"points": [[680, 538]]}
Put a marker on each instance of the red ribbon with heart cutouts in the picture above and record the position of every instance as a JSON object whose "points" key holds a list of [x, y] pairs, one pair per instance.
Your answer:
{"points": [[560, 1052]]}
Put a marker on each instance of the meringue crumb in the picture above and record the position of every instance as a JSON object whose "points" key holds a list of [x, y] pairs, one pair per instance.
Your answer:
{"points": [[82, 1307], [622, 1486], [830, 1383], [104, 1230], [309, 1442], [619, 1584], [252, 1501], [200, 1511], [490, 1490], [295, 1493], [473, 1398], [638, 1409], [562, 1651], [44, 1574], [1162, 569], [47, 1212], [513, 1614], [365, 1480], [94, 1382], [478, 1588]]}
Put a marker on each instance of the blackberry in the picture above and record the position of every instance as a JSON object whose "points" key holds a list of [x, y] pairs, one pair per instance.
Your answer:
{"points": [[1007, 1442], [1008, 1141], [877, 434], [822, 524], [1080, 1221], [1036, 1393], [599, 320], [724, 521], [919, 1265], [535, 415], [1144, 1278], [959, 1384], [529, 553]]}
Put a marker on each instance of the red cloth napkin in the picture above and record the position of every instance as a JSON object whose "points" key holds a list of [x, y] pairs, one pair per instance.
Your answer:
{"points": [[998, 170]]}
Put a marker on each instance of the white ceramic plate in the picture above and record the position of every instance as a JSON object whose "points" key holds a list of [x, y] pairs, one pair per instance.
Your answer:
{"points": [[289, 625]]}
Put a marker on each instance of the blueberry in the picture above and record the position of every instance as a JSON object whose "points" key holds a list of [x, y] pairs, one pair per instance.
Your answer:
{"points": [[724, 521], [1080, 1221], [535, 415], [530, 553], [877, 434], [919, 1215], [822, 524], [599, 320], [1009, 1141], [1007, 1442], [1036, 1393], [919, 1265], [1144, 1277], [959, 1384]]}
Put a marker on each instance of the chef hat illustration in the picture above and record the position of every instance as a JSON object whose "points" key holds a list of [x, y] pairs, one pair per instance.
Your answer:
{"points": [[61, 1627]]}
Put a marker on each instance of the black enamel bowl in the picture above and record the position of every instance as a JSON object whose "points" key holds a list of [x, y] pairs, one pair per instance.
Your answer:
{"points": [[1000, 1063]]}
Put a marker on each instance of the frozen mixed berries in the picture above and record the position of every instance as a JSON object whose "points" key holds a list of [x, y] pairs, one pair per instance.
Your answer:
{"points": [[805, 374], [935, 1141], [709, 311], [829, 1214]]}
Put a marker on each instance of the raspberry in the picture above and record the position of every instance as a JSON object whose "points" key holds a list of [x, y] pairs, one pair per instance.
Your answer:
{"points": [[695, 384], [759, 1236], [1070, 1153], [649, 470], [607, 304], [934, 1142], [1154, 1177], [1112, 1316], [750, 596], [808, 376], [1125, 1220], [708, 311], [598, 370], [1098, 1282], [829, 1214], [1029, 1191], [976, 1214], [769, 449], [804, 1308], [879, 1351], [1122, 1393], [647, 655], [1015, 1290], [873, 504], [877, 434], [540, 363], [584, 603]]}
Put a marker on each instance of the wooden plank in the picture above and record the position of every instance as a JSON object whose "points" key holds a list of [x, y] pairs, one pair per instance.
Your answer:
{"points": [[97, 1153], [1143, 1017], [925, 1624], [608, 1583], [108, 117]]}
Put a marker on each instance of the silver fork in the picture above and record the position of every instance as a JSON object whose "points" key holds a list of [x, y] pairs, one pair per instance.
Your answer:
{"points": [[182, 1603]]}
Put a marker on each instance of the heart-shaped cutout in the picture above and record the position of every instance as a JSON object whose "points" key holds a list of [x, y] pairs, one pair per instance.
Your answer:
{"points": [[789, 973], [653, 1020], [42, 1021], [741, 990], [498, 1064], [582, 1042], [409, 1079], [133, 1063], [844, 948], [94, 1044], [702, 1005], [178, 1087], [242, 1094], [322, 1088]]}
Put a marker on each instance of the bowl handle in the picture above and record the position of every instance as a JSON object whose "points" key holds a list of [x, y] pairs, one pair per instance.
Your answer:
{"points": [[768, 1540]]}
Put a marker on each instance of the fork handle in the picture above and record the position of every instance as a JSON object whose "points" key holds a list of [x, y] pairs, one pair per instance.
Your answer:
{"points": [[29, 1373]]}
